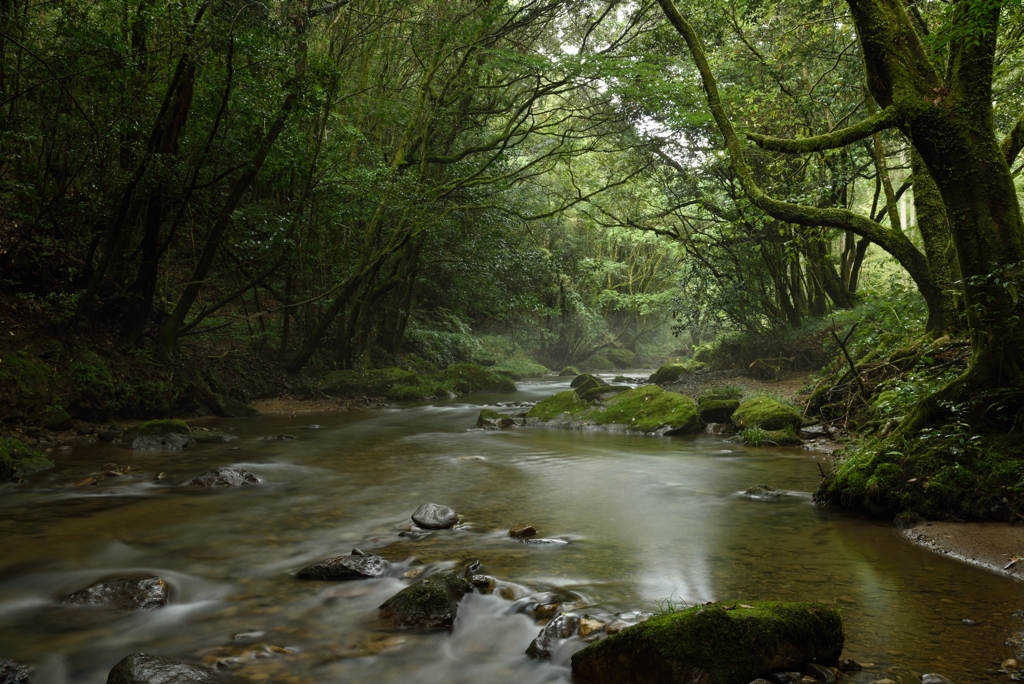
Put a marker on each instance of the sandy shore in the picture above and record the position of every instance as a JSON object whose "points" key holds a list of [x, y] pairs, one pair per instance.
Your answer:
{"points": [[990, 545]]}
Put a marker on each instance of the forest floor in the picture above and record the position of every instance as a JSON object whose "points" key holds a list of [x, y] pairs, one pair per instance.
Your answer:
{"points": [[786, 388]]}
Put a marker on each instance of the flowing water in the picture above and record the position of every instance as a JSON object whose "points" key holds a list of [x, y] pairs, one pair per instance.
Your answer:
{"points": [[646, 519]]}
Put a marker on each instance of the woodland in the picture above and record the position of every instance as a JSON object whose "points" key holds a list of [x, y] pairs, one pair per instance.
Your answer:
{"points": [[237, 197]]}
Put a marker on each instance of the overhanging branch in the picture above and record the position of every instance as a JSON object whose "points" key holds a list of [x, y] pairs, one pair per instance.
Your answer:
{"points": [[886, 118]]}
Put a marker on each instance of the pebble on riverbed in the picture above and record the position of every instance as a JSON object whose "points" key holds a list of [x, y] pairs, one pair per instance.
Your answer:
{"points": [[431, 516]]}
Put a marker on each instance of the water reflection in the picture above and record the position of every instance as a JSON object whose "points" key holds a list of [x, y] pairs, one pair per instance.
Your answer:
{"points": [[646, 519]]}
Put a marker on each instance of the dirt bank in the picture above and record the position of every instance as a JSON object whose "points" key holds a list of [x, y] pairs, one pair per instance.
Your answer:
{"points": [[991, 545]]}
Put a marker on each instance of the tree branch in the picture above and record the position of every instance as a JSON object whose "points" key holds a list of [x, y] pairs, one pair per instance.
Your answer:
{"points": [[887, 118]]}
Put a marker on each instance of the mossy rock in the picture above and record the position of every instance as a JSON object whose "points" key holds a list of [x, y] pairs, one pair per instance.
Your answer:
{"points": [[599, 362], [18, 460], [564, 406], [568, 371], [226, 407], [717, 410], [158, 434], [458, 378], [585, 380], [621, 358], [649, 409], [431, 603], [492, 420], [602, 392], [720, 392], [374, 382], [724, 643], [58, 419], [670, 372], [767, 414]]}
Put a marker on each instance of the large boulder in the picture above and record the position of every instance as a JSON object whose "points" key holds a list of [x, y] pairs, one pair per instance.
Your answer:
{"points": [[767, 414], [717, 410], [142, 668], [13, 673], [226, 476], [18, 460], [722, 643], [158, 434], [650, 409], [670, 372], [431, 603], [58, 419], [122, 593], [226, 407], [374, 382], [431, 516], [357, 566]]}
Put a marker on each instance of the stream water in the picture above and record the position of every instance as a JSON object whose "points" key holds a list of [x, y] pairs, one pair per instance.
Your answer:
{"points": [[646, 519]]}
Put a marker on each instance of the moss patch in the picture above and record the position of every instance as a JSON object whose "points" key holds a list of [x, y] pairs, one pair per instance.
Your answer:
{"points": [[723, 643], [649, 408], [604, 391], [566, 405], [767, 414], [18, 460]]}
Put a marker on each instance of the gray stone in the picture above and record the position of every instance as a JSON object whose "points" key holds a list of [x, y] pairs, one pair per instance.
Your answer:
{"points": [[109, 435], [933, 678], [359, 565], [821, 673], [158, 434], [13, 673], [227, 476], [763, 491], [561, 627], [123, 593], [431, 516], [430, 603], [142, 668]]}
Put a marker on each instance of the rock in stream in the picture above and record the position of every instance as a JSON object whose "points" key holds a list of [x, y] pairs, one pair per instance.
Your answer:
{"points": [[122, 593], [142, 668], [227, 476], [13, 673], [359, 565], [431, 516], [430, 603]]}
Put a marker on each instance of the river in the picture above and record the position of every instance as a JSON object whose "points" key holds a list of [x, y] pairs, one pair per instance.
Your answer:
{"points": [[645, 519]]}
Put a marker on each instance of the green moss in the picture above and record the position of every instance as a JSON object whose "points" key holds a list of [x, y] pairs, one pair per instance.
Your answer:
{"points": [[469, 377], [767, 414], [18, 459], [649, 408], [621, 358], [723, 643], [719, 393], [755, 436], [568, 371], [670, 372], [581, 383], [566, 405]]}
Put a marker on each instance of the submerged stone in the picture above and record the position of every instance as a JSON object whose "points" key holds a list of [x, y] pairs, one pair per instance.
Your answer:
{"points": [[767, 414], [430, 603], [211, 437], [158, 434], [723, 643], [763, 491], [142, 668], [227, 476], [431, 516], [123, 593], [359, 565]]}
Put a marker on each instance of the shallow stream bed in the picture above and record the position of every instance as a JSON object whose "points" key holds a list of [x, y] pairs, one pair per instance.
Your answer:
{"points": [[646, 519]]}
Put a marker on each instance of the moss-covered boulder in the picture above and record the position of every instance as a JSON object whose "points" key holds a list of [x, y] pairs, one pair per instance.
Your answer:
{"points": [[431, 603], [603, 392], [568, 371], [226, 407], [469, 377], [670, 372], [58, 419], [717, 410], [561, 408], [582, 383], [158, 434], [767, 414], [649, 409], [18, 460], [725, 643], [374, 382], [492, 420], [621, 358]]}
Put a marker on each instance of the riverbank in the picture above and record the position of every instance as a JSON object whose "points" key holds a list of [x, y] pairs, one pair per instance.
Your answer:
{"points": [[994, 546]]}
